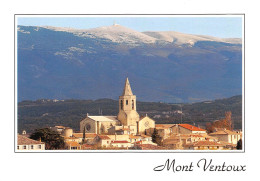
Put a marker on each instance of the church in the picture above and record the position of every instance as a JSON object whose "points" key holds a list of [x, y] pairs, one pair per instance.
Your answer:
{"points": [[127, 122]]}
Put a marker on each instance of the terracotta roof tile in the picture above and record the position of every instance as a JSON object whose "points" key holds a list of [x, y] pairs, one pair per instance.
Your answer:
{"points": [[87, 146], [103, 137], [169, 142], [138, 142], [134, 137], [207, 143], [87, 135], [196, 135], [175, 137], [225, 132], [164, 126], [227, 143], [150, 147], [120, 141], [22, 140], [190, 127], [73, 143]]}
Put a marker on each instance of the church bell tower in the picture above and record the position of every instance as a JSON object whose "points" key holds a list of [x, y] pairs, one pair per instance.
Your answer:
{"points": [[127, 107]]}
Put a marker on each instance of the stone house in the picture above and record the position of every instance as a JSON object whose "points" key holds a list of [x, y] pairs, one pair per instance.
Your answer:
{"points": [[227, 136], [24, 143]]}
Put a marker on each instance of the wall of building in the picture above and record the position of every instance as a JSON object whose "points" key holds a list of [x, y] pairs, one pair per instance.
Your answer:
{"points": [[180, 130], [145, 123], [234, 139], [119, 137], [104, 126], [198, 132], [164, 133], [98, 127], [128, 118], [105, 143], [121, 145], [223, 138], [228, 138], [209, 148], [78, 140], [90, 122], [31, 147]]}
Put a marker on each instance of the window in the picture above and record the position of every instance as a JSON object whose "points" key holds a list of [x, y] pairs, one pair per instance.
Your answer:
{"points": [[88, 127], [17, 147], [133, 104], [32, 147], [40, 146], [126, 102], [24, 147], [121, 104]]}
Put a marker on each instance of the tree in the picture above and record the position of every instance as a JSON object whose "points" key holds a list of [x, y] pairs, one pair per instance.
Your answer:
{"points": [[209, 127], [84, 135], [156, 137], [224, 123], [239, 145], [52, 139]]}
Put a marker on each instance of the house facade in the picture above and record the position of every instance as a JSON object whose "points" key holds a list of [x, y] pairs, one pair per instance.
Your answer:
{"points": [[24, 143]]}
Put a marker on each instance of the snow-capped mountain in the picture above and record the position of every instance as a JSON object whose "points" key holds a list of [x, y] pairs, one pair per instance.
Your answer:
{"points": [[62, 63], [181, 38], [120, 34]]}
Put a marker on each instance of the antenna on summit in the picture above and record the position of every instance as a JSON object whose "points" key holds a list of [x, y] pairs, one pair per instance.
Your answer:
{"points": [[114, 24]]}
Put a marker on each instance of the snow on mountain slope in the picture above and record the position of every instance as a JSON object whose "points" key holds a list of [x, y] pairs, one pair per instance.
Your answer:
{"points": [[120, 34], [181, 38], [114, 33]]}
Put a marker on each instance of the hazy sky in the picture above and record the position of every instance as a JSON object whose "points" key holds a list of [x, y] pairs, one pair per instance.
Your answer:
{"points": [[219, 26]]}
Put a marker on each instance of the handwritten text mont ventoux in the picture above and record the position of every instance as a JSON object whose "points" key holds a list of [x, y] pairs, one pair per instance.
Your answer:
{"points": [[204, 164]]}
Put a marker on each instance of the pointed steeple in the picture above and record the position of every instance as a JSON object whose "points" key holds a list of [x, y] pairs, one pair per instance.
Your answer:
{"points": [[127, 114], [127, 89]]}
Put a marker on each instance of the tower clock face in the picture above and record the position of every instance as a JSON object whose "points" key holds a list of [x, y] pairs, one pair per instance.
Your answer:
{"points": [[146, 123], [88, 127]]}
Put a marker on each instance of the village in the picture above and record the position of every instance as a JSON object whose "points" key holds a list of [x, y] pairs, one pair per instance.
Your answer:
{"points": [[130, 131]]}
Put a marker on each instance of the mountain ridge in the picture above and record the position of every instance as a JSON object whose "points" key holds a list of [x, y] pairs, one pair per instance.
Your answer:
{"points": [[61, 65], [113, 32]]}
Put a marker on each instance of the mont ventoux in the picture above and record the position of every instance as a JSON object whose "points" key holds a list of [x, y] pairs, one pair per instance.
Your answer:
{"points": [[167, 66]]}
